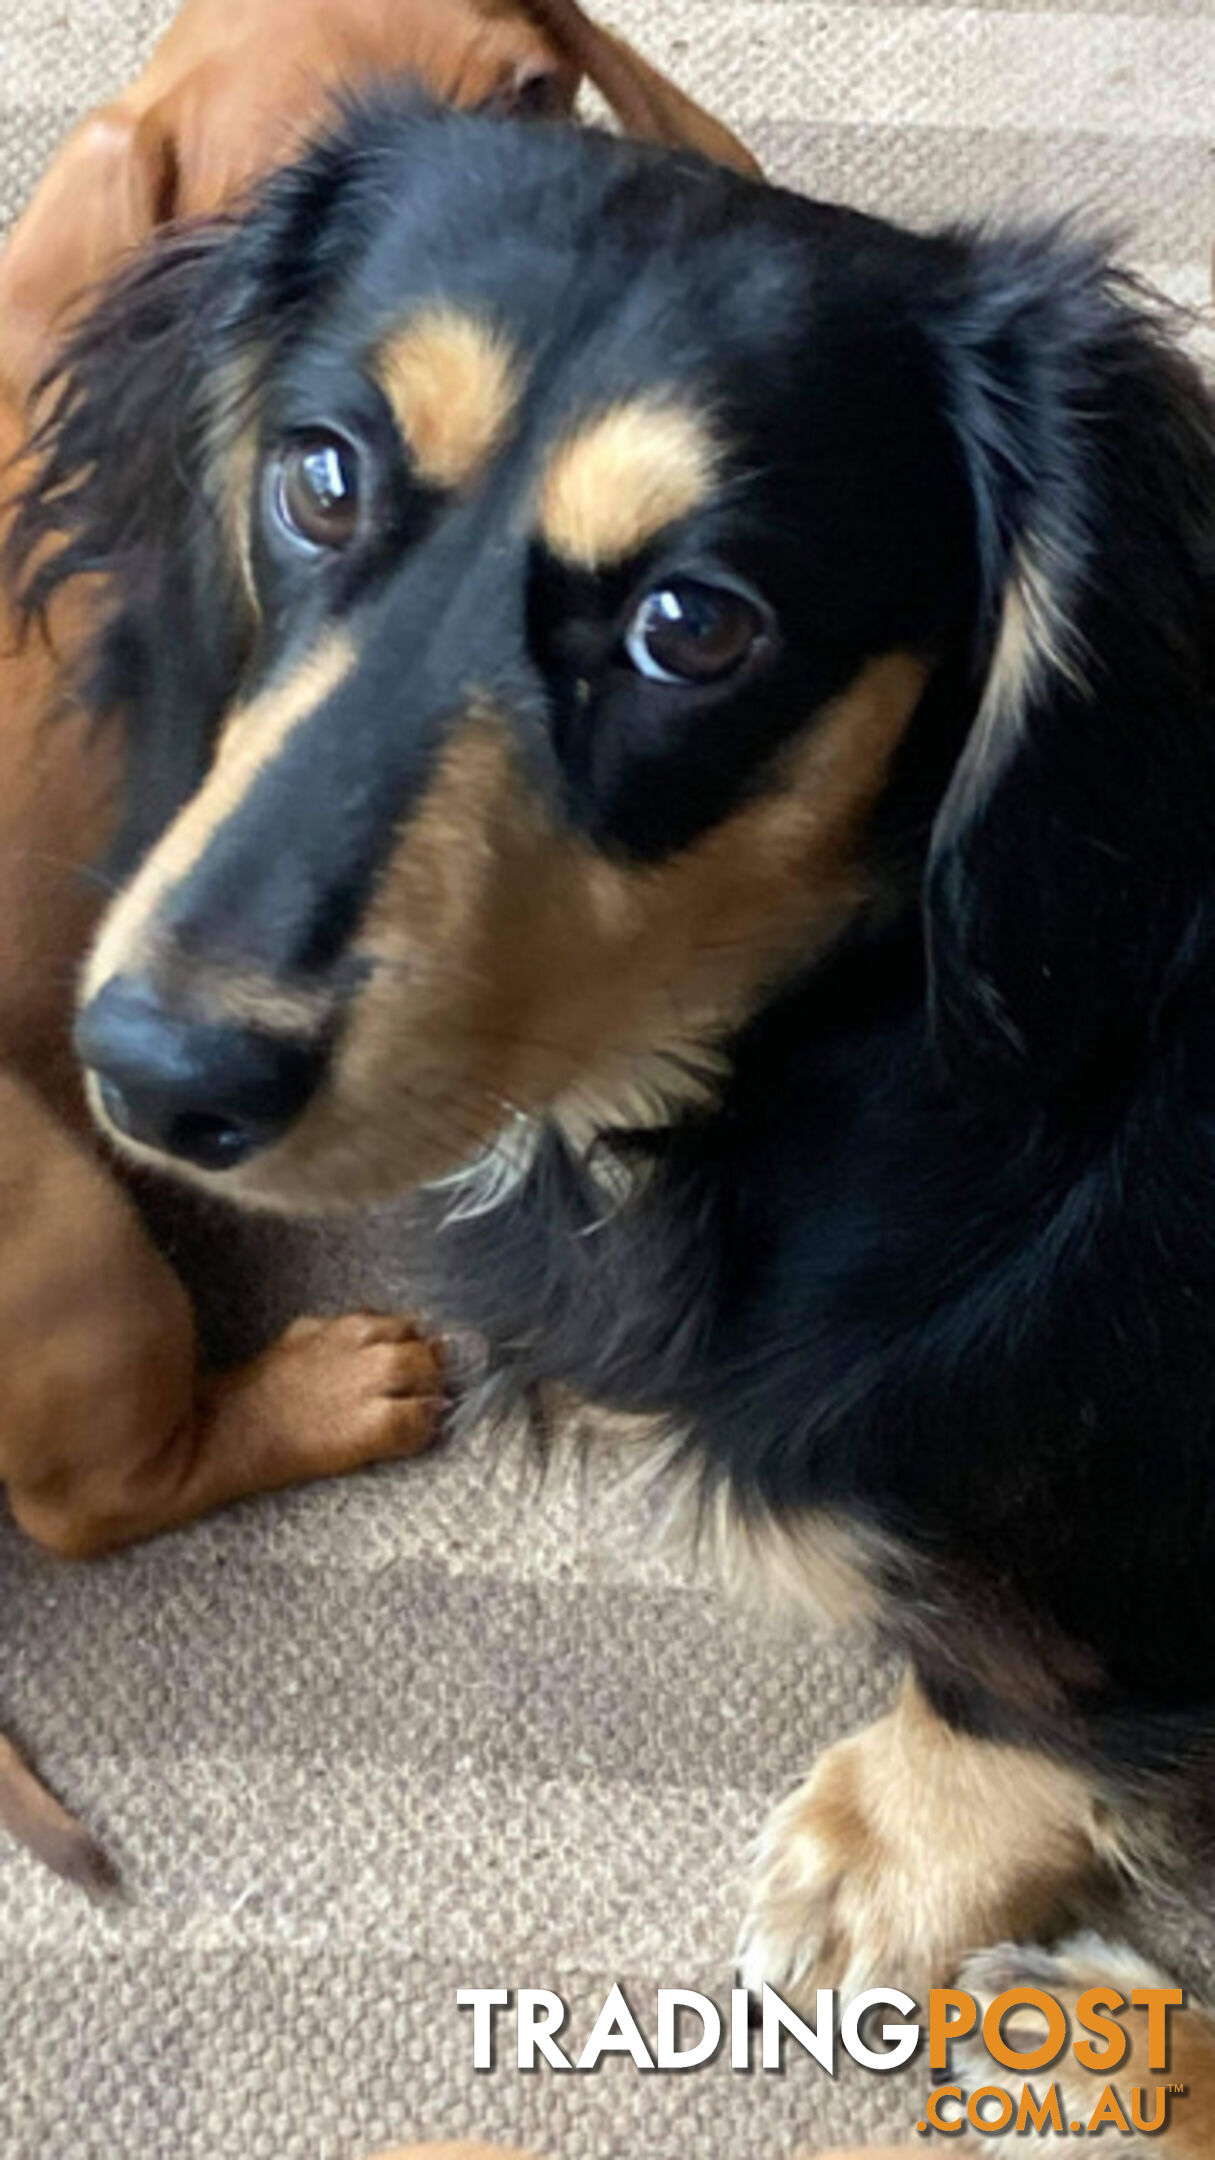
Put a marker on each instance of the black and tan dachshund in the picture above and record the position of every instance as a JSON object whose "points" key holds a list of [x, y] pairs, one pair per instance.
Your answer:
{"points": [[695, 717]]}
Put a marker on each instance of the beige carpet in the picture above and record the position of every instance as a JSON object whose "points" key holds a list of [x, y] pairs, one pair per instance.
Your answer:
{"points": [[363, 1746]]}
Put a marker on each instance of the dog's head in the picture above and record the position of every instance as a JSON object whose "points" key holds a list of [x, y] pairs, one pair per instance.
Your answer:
{"points": [[573, 581], [234, 89]]}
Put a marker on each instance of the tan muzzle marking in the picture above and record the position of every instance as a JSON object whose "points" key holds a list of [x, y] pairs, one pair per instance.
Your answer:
{"points": [[252, 740]]}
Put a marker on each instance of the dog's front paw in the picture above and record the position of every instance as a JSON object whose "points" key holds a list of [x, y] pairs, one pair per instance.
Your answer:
{"points": [[330, 1396], [360, 1389], [912, 1845], [823, 1905]]}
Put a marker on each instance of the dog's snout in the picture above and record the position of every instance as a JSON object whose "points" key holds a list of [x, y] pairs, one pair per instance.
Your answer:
{"points": [[211, 1093]]}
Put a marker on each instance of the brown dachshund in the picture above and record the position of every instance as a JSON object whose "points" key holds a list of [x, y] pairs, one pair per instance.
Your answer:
{"points": [[107, 1430]]}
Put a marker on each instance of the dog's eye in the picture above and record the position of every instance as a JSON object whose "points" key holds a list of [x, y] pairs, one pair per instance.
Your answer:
{"points": [[316, 490], [686, 632]]}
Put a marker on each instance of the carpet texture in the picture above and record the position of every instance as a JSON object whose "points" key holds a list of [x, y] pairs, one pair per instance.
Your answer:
{"points": [[361, 1746]]}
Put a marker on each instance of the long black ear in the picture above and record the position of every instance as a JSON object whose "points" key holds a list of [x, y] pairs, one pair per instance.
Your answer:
{"points": [[142, 457], [1072, 857], [133, 426]]}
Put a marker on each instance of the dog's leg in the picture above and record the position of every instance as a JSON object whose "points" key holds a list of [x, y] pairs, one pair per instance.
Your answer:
{"points": [[107, 1433], [912, 1844], [1066, 1975]]}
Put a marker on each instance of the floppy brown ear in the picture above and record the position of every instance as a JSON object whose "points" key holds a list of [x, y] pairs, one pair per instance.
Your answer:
{"points": [[647, 105], [107, 189]]}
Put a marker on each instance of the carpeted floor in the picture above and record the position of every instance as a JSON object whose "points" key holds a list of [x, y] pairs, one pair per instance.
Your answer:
{"points": [[365, 1745]]}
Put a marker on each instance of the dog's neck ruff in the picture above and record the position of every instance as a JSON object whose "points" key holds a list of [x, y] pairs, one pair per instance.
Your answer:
{"points": [[650, 1095]]}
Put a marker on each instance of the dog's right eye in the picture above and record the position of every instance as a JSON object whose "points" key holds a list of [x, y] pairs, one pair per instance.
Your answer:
{"points": [[315, 493], [692, 633]]}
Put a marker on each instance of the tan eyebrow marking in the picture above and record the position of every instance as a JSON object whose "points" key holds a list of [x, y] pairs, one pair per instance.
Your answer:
{"points": [[622, 477], [453, 383]]}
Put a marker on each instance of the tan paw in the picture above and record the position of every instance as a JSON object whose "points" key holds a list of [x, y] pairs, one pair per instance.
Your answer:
{"points": [[911, 1845], [341, 1393], [328, 1397]]}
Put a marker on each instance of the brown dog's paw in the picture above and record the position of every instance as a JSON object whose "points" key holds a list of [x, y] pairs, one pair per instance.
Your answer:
{"points": [[332, 1395], [328, 1397], [911, 1845]]}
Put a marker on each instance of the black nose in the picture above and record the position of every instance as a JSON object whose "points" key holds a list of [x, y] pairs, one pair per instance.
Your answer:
{"points": [[210, 1093]]}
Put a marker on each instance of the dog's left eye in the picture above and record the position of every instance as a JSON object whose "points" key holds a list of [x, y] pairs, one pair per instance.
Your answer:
{"points": [[689, 632], [316, 490]]}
